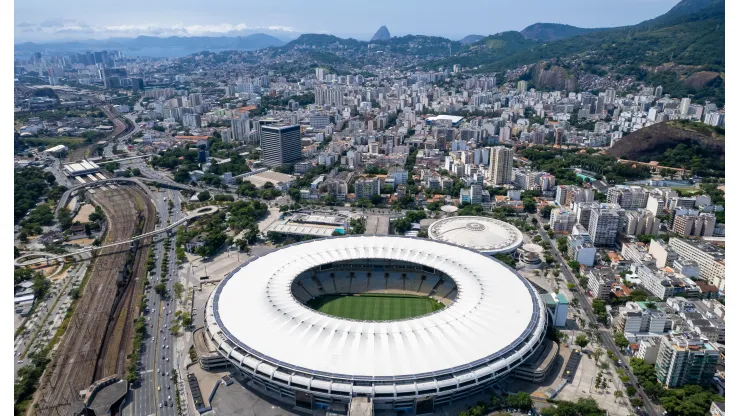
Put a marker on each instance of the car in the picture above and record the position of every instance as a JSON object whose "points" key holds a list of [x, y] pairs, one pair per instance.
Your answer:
{"points": [[169, 397], [167, 359], [168, 387], [159, 388], [166, 346], [163, 357], [20, 361], [160, 405]]}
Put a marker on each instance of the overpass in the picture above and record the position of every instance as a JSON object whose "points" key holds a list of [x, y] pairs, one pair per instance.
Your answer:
{"points": [[134, 181], [65, 196], [207, 210]]}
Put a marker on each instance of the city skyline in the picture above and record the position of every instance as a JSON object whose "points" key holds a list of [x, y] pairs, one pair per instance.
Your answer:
{"points": [[42, 21]]}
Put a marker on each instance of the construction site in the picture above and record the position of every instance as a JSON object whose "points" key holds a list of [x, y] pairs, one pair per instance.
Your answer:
{"points": [[99, 339]]}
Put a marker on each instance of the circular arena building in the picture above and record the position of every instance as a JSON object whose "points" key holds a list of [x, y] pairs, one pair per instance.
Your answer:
{"points": [[407, 323], [486, 235]]}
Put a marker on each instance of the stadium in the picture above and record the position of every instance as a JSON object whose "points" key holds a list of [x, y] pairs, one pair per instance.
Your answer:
{"points": [[408, 323], [482, 234]]}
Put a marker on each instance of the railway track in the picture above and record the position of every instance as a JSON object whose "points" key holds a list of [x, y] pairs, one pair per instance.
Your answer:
{"points": [[87, 345], [119, 337]]}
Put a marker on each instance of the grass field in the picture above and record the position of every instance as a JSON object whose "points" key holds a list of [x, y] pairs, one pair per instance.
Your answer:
{"points": [[374, 307]]}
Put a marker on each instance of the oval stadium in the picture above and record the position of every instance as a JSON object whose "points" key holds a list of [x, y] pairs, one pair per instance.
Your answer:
{"points": [[408, 323]]}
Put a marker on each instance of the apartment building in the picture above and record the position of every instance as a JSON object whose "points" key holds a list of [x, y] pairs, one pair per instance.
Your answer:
{"points": [[711, 258], [685, 359]]}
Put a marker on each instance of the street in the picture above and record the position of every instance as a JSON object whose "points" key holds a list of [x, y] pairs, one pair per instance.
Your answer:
{"points": [[603, 332]]}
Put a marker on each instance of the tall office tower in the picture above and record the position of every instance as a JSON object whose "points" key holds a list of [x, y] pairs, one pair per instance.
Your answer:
{"points": [[502, 163], [280, 144], [685, 104], [603, 226]]}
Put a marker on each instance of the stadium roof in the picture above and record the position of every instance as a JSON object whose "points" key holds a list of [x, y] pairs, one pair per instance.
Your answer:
{"points": [[495, 312], [453, 119], [483, 234]]}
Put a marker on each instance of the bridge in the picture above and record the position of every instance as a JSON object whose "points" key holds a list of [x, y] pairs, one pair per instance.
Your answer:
{"points": [[207, 210], [135, 181]]}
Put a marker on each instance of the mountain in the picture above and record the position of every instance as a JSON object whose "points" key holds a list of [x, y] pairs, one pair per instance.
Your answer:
{"points": [[467, 40], [677, 143], [171, 46], [552, 31], [381, 34]]}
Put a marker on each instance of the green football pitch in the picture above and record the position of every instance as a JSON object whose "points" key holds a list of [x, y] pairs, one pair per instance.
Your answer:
{"points": [[374, 307]]}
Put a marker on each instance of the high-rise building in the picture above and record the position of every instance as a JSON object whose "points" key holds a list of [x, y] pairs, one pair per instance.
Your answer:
{"points": [[326, 95], [502, 163], [365, 188], [659, 91], [603, 226], [240, 128], [611, 95], [711, 258], [628, 197], [280, 144], [700, 225], [685, 105], [191, 120], [521, 86], [683, 359], [318, 120], [642, 222]]}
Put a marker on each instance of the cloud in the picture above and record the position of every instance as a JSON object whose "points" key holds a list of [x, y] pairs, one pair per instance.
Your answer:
{"points": [[71, 29]]}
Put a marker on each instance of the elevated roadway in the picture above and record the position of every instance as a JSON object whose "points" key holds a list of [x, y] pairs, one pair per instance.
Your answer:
{"points": [[207, 210]]}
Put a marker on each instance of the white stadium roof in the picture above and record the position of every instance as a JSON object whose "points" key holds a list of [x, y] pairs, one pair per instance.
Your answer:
{"points": [[495, 314], [487, 235]]}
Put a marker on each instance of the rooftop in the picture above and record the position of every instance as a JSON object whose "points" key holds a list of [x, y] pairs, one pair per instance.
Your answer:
{"points": [[483, 234]]}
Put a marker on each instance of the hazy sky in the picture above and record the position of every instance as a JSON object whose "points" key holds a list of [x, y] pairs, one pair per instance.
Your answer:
{"points": [[46, 20]]}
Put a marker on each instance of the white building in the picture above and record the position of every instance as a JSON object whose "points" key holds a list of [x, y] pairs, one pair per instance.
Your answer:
{"points": [[500, 168]]}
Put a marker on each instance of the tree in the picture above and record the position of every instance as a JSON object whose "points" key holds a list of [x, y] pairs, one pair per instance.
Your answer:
{"points": [[160, 289], [529, 205], [521, 401], [179, 289], [204, 196], [597, 354], [621, 340], [582, 341], [618, 394], [544, 213]]}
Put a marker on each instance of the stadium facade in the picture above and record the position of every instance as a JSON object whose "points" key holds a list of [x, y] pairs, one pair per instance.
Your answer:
{"points": [[492, 322]]}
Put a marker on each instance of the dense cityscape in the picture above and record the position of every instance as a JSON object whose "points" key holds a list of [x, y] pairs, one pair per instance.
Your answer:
{"points": [[517, 224]]}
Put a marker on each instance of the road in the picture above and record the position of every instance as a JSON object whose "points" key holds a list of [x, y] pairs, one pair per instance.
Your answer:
{"points": [[57, 300], [158, 356], [605, 334]]}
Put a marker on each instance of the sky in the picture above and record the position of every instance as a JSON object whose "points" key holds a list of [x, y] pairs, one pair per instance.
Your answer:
{"points": [[57, 20]]}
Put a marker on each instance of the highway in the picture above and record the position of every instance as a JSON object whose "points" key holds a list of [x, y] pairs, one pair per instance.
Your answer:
{"points": [[604, 333], [158, 357]]}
